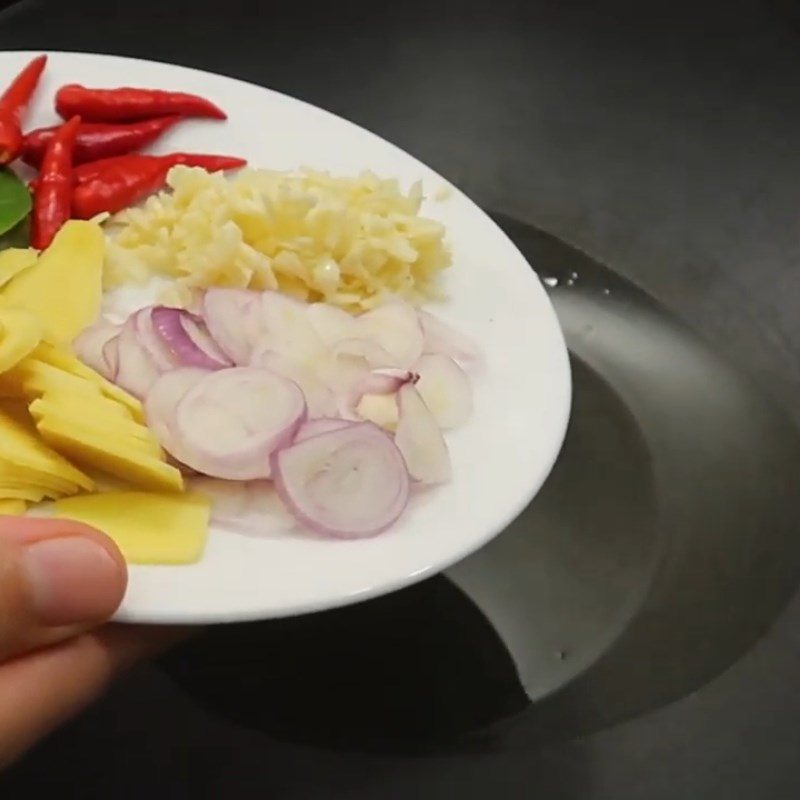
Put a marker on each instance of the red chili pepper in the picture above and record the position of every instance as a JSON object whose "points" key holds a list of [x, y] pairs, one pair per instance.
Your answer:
{"points": [[133, 161], [127, 105], [52, 194], [116, 183], [14, 104], [99, 139]]}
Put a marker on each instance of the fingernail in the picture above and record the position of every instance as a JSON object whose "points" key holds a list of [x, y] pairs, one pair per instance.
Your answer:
{"points": [[72, 580]]}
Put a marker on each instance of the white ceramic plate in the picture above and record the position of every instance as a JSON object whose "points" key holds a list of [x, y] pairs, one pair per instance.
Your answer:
{"points": [[522, 399]]}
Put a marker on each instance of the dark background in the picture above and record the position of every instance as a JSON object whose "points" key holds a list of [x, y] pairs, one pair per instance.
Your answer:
{"points": [[662, 140]]}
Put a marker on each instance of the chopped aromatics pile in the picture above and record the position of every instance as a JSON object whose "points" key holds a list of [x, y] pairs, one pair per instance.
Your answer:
{"points": [[351, 242], [289, 372]]}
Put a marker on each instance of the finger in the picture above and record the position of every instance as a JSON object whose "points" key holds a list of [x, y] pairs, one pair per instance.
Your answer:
{"points": [[41, 690], [57, 578]]}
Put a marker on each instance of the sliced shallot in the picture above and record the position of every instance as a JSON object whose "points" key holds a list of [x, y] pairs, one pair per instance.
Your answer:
{"points": [[348, 483], [387, 381], [379, 408], [111, 358], [330, 323], [396, 328], [320, 399], [137, 371], [420, 440], [229, 315], [149, 338], [229, 423], [314, 427], [251, 507], [162, 399], [440, 338], [372, 386], [196, 330], [287, 329], [186, 343], [373, 354], [341, 373], [89, 346], [445, 388]]}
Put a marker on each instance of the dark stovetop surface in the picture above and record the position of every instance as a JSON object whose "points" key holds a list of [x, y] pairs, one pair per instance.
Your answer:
{"points": [[662, 142]]}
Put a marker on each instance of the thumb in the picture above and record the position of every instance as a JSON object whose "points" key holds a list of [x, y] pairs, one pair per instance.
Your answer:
{"points": [[57, 578]]}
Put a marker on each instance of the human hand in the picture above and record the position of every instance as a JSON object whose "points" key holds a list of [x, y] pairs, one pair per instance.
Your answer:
{"points": [[59, 582]]}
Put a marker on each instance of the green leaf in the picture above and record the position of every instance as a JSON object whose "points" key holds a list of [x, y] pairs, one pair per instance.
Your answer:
{"points": [[18, 236], [15, 200]]}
